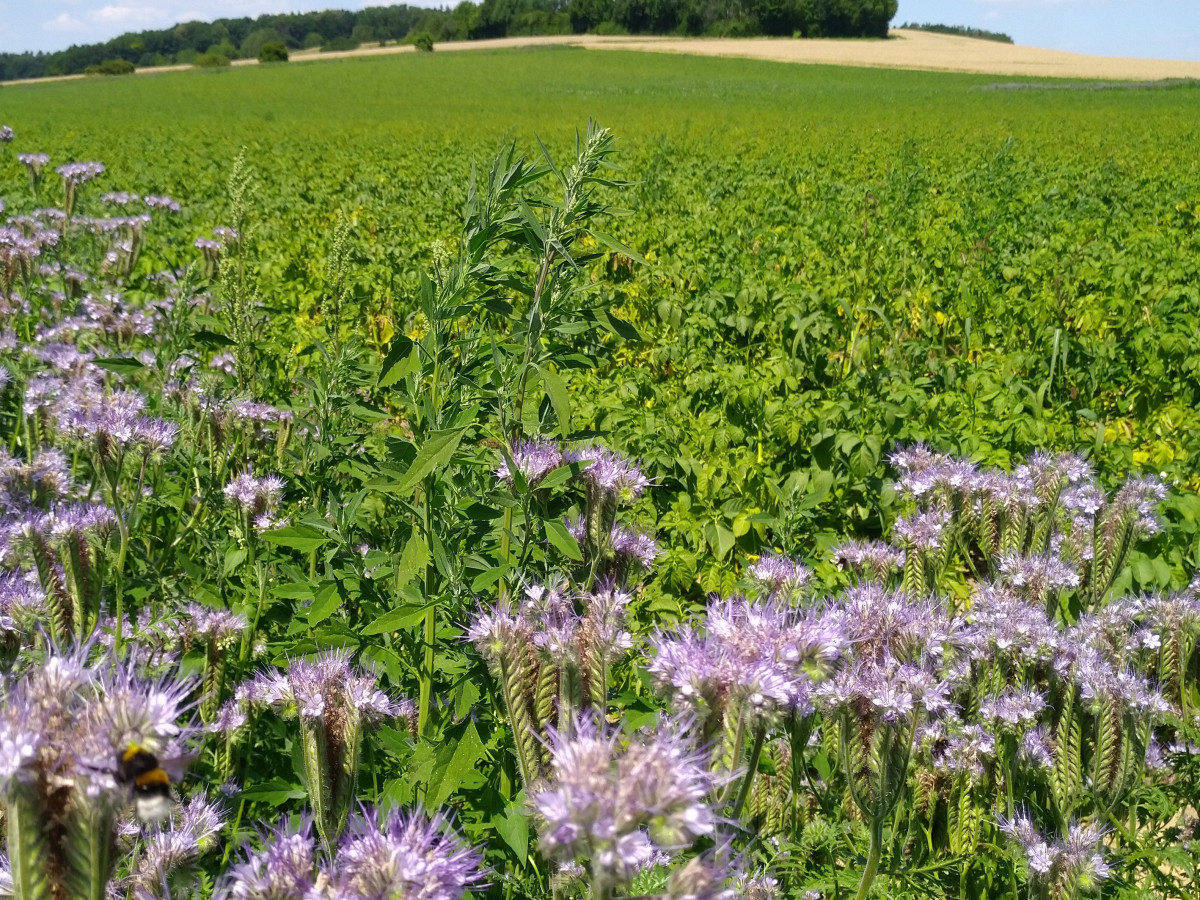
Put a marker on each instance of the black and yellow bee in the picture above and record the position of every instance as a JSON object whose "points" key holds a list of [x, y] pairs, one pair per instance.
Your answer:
{"points": [[149, 780]]}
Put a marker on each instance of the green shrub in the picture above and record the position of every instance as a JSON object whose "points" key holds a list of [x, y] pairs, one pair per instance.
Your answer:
{"points": [[313, 39], [111, 67], [210, 60], [273, 52], [254, 42], [338, 44], [423, 41], [610, 28]]}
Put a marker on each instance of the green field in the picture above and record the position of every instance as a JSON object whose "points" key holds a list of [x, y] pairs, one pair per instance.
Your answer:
{"points": [[817, 235], [809, 267]]}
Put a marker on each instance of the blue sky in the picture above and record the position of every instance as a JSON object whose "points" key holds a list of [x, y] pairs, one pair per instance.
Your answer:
{"points": [[1163, 29]]}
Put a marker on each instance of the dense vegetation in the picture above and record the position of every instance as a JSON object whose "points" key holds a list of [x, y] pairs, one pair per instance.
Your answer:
{"points": [[962, 31], [337, 30], [355, 396]]}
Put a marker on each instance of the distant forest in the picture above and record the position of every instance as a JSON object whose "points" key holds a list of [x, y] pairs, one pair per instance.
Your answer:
{"points": [[962, 31], [336, 30]]}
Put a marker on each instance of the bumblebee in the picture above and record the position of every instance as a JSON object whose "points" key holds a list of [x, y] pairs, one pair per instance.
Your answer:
{"points": [[149, 780]]}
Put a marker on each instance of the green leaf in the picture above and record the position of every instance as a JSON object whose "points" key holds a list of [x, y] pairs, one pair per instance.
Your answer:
{"points": [[396, 619], [325, 602], [449, 774], [122, 365], [562, 540], [560, 399], [435, 452], [275, 792], [295, 591], [513, 827], [211, 339], [413, 560], [399, 362], [298, 537], [616, 246], [234, 557]]}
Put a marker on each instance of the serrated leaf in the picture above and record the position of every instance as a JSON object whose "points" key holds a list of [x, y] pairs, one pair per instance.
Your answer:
{"points": [[453, 766]]}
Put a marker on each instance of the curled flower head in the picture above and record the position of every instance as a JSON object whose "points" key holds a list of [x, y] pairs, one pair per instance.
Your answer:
{"points": [[283, 867], [326, 686], [780, 574], [403, 854], [610, 471], [79, 172], [621, 800], [255, 496], [534, 460]]}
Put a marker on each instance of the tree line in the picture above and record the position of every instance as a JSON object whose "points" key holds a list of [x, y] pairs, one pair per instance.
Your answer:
{"points": [[336, 30]]}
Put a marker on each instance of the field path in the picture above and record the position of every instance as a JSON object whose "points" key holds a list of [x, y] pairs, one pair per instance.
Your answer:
{"points": [[904, 50]]}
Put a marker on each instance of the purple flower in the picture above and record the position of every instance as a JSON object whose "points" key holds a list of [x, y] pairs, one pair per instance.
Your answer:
{"points": [[6, 134], [326, 686], [403, 854], [871, 560], [161, 202], [167, 850], [255, 496], [1037, 750], [616, 804], [633, 546], [80, 172], [284, 869], [764, 655], [780, 574], [33, 161], [533, 459], [1037, 576], [607, 470], [1018, 706], [923, 531]]}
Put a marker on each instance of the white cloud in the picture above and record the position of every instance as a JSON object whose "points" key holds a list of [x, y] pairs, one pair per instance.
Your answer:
{"points": [[64, 22], [126, 15]]}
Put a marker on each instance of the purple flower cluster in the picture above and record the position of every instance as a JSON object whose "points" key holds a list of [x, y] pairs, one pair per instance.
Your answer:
{"points": [[610, 472], [114, 424], [780, 574], [326, 687], [35, 162], [80, 172], [761, 658], [397, 854], [614, 803], [69, 718], [1075, 859], [869, 560], [548, 618], [534, 460], [257, 498]]}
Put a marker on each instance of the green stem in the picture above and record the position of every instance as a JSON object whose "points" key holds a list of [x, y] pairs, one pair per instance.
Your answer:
{"points": [[873, 855], [430, 630], [760, 734]]}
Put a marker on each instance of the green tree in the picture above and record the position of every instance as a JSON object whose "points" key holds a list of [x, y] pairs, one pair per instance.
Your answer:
{"points": [[273, 52]]}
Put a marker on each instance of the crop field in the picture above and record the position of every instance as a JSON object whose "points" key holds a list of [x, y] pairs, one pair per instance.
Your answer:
{"points": [[553, 473]]}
